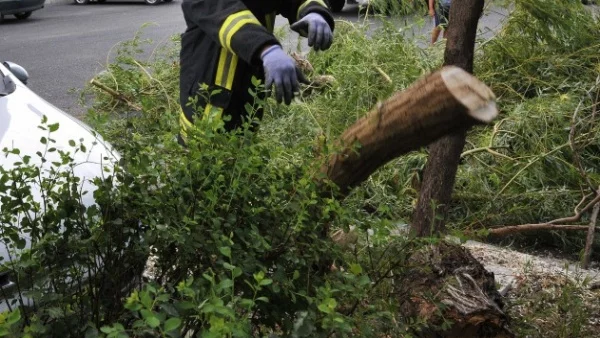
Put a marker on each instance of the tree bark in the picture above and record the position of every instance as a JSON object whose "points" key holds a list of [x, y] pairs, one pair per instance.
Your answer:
{"points": [[589, 242], [444, 154], [516, 229], [447, 100]]}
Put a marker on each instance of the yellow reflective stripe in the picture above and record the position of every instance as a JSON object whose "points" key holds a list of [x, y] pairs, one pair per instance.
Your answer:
{"points": [[183, 135], [184, 124], [226, 69], [184, 121], [270, 21], [221, 67], [231, 73], [233, 24], [227, 23], [237, 27], [207, 110], [308, 2]]}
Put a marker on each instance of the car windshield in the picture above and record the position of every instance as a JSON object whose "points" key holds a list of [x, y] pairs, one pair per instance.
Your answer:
{"points": [[7, 85]]}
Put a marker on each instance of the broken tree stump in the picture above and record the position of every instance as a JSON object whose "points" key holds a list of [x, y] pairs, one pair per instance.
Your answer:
{"points": [[446, 283], [439, 103]]}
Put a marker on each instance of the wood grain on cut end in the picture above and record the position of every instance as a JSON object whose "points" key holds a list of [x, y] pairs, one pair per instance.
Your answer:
{"points": [[478, 98]]}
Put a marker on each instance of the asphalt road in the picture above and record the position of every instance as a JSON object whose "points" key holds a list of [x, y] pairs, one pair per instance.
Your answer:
{"points": [[63, 45]]}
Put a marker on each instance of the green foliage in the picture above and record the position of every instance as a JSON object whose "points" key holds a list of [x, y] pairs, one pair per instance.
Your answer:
{"points": [[553, 304], [395, 7], [236, 226], [546, 47], [58, 242], [543, 66]]}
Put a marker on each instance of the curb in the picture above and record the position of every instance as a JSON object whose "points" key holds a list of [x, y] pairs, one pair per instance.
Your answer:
{"points": [[54, 2]]}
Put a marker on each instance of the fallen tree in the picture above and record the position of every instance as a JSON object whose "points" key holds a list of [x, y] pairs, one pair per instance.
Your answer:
{"points": [[247, 200], [447, 102], [438, 109]]}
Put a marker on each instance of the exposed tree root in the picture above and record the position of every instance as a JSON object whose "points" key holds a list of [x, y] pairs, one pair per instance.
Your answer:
{"points": [[448, 286]]}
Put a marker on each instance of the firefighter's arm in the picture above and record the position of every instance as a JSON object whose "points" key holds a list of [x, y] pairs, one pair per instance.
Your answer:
{"points": [[230, 24], [298, 9]]}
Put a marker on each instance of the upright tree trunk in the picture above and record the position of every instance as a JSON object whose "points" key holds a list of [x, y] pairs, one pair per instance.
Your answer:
{"points": [[444, 154]]}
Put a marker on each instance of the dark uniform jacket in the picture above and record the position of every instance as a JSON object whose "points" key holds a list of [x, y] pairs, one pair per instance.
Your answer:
{"points": [[221, 48]]}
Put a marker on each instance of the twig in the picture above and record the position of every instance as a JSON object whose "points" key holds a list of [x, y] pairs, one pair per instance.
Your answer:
{"points": [[595, 106], [577, 216], [587, 252], [556, 224], [495, 131], [575, 150], [513, 229], [143, 69], [595, 101], [115, 94], [384, 75], [489, 150], [531, 162], [576, 210]]}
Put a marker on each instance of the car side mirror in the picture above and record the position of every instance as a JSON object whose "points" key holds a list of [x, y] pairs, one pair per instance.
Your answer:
{"points": [[18, 71]]}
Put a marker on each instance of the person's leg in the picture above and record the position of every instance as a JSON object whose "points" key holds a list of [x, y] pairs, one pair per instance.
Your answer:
{"points": [[444, 18], [435, 34]]}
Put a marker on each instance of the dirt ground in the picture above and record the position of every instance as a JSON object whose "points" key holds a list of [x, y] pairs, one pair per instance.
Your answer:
{"points": [[509, 265]]}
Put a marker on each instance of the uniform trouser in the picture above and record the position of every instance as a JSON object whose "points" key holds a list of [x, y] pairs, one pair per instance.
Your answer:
{"points": [[235, 116]]}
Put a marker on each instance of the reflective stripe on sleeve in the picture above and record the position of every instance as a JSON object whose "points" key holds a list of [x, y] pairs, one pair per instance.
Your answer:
{"points": [[308, 2], [226, 69], [233, 24]]}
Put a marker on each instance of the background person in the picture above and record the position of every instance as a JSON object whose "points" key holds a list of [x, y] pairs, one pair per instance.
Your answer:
{"points": [[441, 17]]}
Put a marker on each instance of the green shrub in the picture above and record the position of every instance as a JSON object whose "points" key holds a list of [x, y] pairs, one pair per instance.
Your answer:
{"points": [[71, 262], [235, 225]]}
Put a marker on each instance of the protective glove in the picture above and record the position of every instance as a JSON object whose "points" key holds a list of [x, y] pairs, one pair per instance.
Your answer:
{"points": [[317, 30], [281, 71]]}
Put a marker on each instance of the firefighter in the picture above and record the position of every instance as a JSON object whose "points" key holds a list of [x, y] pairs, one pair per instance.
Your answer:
{"points": [[228, 42]]}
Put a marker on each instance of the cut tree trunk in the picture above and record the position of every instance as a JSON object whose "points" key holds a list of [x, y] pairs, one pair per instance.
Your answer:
{"points": [[444, 154], [440, 103], [449, 275], [448, 290]]}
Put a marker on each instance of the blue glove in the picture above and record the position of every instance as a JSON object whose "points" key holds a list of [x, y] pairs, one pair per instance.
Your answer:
{"points": [[281, 71], [316, 29]]}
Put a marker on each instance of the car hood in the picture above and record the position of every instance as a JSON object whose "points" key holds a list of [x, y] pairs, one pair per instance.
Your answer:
{"points": [[21, 114]]}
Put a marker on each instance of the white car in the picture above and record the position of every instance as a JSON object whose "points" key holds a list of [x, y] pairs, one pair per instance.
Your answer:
{"points": [[21, 113]]}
